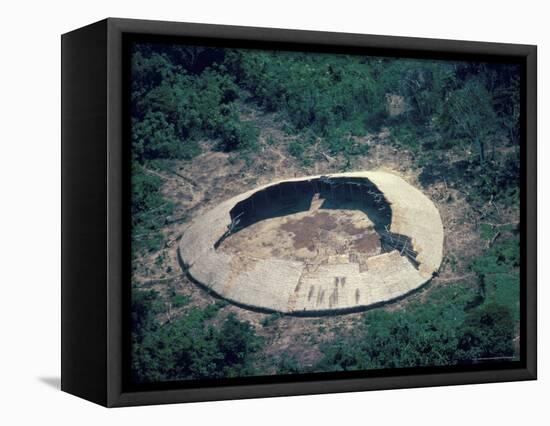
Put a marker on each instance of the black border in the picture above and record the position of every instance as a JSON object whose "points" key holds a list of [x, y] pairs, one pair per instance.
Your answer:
{"points": [[130, 39], [134, 37], [83, 197], [116, 391]]}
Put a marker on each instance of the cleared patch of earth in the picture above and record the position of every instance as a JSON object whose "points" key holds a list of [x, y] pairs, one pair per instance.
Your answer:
{"points": [[311, 236], [196, 186]]}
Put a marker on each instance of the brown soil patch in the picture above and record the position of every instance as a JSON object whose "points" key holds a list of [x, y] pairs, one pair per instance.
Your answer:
{"points": [[310, 236], [351, 229], [368, 243], [308, 229]]}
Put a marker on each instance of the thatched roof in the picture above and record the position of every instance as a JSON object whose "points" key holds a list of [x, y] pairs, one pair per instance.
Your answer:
{"points": [[290, 286]]}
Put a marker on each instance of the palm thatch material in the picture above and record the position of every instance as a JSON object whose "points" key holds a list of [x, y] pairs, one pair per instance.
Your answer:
{"points": [[338, 284]]}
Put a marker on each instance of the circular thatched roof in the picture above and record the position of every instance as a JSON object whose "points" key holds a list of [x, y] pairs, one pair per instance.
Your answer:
{"points": [[338, 284]]}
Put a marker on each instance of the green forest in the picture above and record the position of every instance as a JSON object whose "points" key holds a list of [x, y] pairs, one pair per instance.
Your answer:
{"points": [[460, 122]]}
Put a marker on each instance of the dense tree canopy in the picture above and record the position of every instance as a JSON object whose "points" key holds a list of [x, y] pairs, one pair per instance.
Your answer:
{"points": [[188, 347]]}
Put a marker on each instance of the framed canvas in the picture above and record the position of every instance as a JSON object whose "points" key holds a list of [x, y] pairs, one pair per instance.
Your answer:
{"points": [[254, 212]]}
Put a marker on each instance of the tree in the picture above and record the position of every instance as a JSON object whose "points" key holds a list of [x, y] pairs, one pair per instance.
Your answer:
{"points": [[237, 342], [468, 113], [155, 137], [487, 334], [188, 347]]}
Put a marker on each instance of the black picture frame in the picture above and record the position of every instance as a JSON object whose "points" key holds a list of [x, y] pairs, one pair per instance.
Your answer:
{"points": [[95, 247]]}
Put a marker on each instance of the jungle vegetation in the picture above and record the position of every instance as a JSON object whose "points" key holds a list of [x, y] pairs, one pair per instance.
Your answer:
{"points": [[457, 116]]}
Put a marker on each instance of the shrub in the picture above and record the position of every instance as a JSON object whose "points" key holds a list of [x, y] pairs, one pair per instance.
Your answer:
{"points": [[296, 149], [149, 210], [238, 135], [180, 300], [155, 137], [188, 347], [487, 334], [444, 330], [270, 320], [498, 273]]}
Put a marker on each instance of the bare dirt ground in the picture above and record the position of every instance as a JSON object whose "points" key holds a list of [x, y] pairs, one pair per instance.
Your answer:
{"points": [[196, 186], [311, 236]]}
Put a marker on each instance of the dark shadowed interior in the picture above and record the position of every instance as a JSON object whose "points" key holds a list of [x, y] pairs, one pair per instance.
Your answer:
{"points": [[288, 198]]}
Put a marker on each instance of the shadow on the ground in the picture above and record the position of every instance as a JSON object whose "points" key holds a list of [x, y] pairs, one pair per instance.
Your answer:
{"points": [[54, 382]]}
